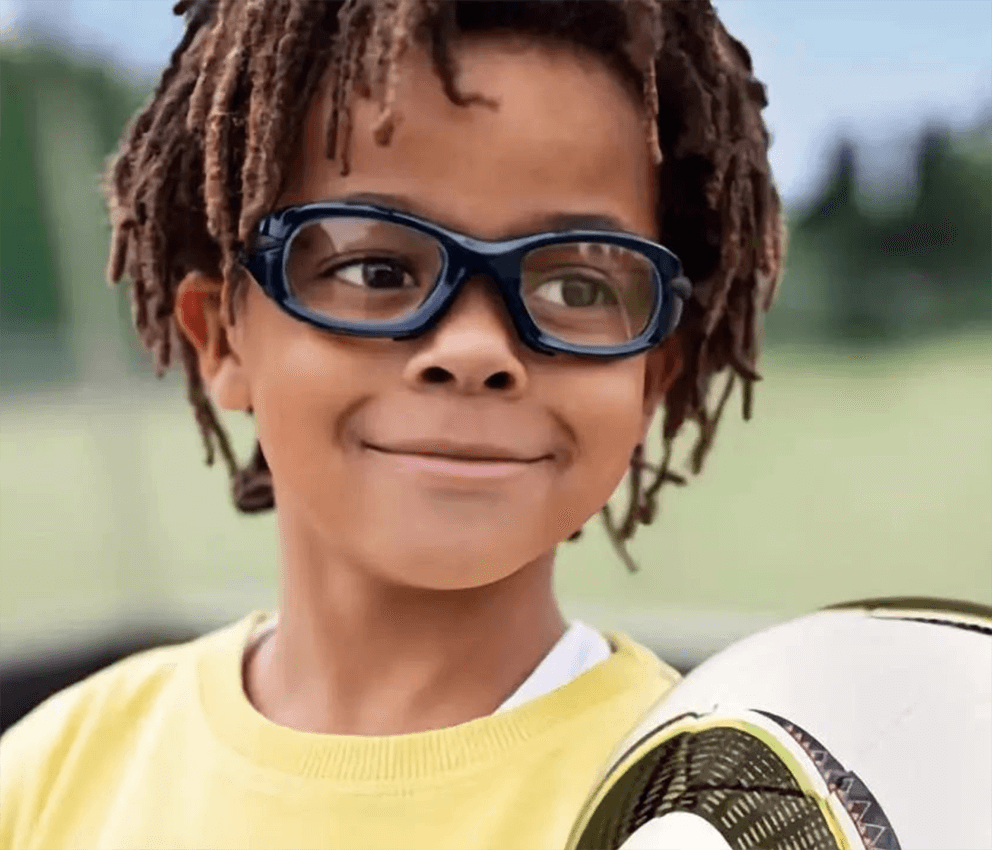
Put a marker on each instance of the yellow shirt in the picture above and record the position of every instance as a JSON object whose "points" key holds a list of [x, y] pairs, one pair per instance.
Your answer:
{"points": [[164, 750]]}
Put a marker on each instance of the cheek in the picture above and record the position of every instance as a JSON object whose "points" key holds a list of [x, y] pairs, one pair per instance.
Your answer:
{"points": [[302, 383], [606, 413], [290, 415]]}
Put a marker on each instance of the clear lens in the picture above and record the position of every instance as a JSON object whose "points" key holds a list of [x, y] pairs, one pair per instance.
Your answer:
{"points": [[361, 269], [364, 270], [589, 293]]}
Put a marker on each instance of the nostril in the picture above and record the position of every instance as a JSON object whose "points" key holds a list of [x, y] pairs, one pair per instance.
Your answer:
{"points": [[499, 381], [437, 375]]}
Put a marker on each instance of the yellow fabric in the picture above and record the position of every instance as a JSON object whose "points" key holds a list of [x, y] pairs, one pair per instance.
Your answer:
{"points": [[163, 750]]}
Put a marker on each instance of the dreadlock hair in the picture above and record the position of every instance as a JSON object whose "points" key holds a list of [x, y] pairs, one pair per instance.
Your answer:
{"points": [[205, 159]]}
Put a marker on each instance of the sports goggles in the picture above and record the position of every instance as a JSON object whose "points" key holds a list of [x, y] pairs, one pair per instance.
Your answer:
{"points": [[370, 271]]}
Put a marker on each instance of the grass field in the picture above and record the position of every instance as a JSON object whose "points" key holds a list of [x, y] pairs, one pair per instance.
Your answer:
{"points": [[858, 476]]}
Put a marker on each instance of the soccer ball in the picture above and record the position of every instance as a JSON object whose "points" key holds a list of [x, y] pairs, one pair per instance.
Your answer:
{"points": [[861, 727]]}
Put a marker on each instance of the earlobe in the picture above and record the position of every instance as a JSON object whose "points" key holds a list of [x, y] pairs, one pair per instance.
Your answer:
{"points": [[199, 314]]}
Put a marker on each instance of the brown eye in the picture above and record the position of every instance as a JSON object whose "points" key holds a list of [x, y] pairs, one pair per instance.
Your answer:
{"points": [[374, 274], [575, 292]]}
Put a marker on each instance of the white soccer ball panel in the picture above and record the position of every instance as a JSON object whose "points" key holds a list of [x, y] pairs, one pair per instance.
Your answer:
{"points": [[676, 831]]}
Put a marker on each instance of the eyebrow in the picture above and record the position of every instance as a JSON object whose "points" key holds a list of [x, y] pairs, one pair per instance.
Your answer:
{"points": [[552, 222]]}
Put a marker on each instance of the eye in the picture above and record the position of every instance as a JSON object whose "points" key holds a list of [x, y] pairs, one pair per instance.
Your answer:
{"points": [[373, 274], [575, 291]]}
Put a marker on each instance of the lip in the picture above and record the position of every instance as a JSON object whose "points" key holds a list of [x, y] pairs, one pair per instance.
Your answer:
{"points": [[479, 453], [464, 463]]}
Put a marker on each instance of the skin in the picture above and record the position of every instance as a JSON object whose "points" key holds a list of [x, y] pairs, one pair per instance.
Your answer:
{"points": [[411, 599]]}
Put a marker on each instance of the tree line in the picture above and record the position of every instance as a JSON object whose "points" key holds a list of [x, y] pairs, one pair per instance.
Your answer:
{"points": [[914, 264]]}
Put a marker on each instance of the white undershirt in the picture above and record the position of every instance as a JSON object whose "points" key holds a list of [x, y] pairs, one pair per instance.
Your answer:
{"points": [[578, 650]]}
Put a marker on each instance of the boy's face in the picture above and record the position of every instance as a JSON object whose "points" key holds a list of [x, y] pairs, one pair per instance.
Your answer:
{"points": [[346, 424]]}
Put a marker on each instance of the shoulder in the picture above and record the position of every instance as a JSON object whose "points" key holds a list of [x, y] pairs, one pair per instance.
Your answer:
{"points": [[97, 715], [118, 688], [642, 659]]}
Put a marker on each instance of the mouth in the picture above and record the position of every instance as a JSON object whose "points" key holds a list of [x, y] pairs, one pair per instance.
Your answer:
{"points": [[459, 453], [459, 465]]}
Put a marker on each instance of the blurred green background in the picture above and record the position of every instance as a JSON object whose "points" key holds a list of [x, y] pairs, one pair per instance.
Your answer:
{"points": [[866, 471]]}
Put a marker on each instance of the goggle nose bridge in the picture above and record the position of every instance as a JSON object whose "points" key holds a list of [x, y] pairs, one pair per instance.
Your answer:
{"points": [[462, 263]]}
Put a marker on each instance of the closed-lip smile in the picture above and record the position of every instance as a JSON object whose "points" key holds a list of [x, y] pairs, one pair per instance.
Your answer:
{"points": [[455, 451]]}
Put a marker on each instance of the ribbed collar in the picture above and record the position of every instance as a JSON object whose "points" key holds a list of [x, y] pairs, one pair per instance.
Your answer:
{"points": [[410, 757]]}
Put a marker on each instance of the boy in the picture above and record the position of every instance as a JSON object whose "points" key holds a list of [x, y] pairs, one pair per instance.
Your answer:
{"points": [[437, 251]]}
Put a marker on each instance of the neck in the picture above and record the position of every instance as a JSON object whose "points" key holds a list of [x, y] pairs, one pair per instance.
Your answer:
{"points": [[355, 655]]}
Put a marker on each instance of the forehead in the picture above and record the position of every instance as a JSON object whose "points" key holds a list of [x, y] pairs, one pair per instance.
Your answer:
{"points": [[566, 135]]}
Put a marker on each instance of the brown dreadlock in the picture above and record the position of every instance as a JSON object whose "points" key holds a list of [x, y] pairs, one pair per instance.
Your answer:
{"points": [[205, 160]]}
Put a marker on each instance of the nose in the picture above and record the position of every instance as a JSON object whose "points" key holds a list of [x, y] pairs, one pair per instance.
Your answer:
{"points": [[473, 349]]}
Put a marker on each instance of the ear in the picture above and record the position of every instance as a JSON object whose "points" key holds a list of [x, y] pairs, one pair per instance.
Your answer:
{"points": [[664, 365], [201, 313]]}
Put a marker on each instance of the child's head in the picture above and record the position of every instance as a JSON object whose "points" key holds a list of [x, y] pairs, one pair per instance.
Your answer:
{"points": [[490, 119]]}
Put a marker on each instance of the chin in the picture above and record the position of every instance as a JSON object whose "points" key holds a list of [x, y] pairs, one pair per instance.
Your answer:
{"points": [[434, 563]]}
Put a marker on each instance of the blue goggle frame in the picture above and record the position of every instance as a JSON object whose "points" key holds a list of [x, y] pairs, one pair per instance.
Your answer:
{"points": [[463, 257]]}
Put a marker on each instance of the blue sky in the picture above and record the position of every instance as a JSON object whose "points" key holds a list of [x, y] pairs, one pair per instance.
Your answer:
{"points": [[874, 69]]}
